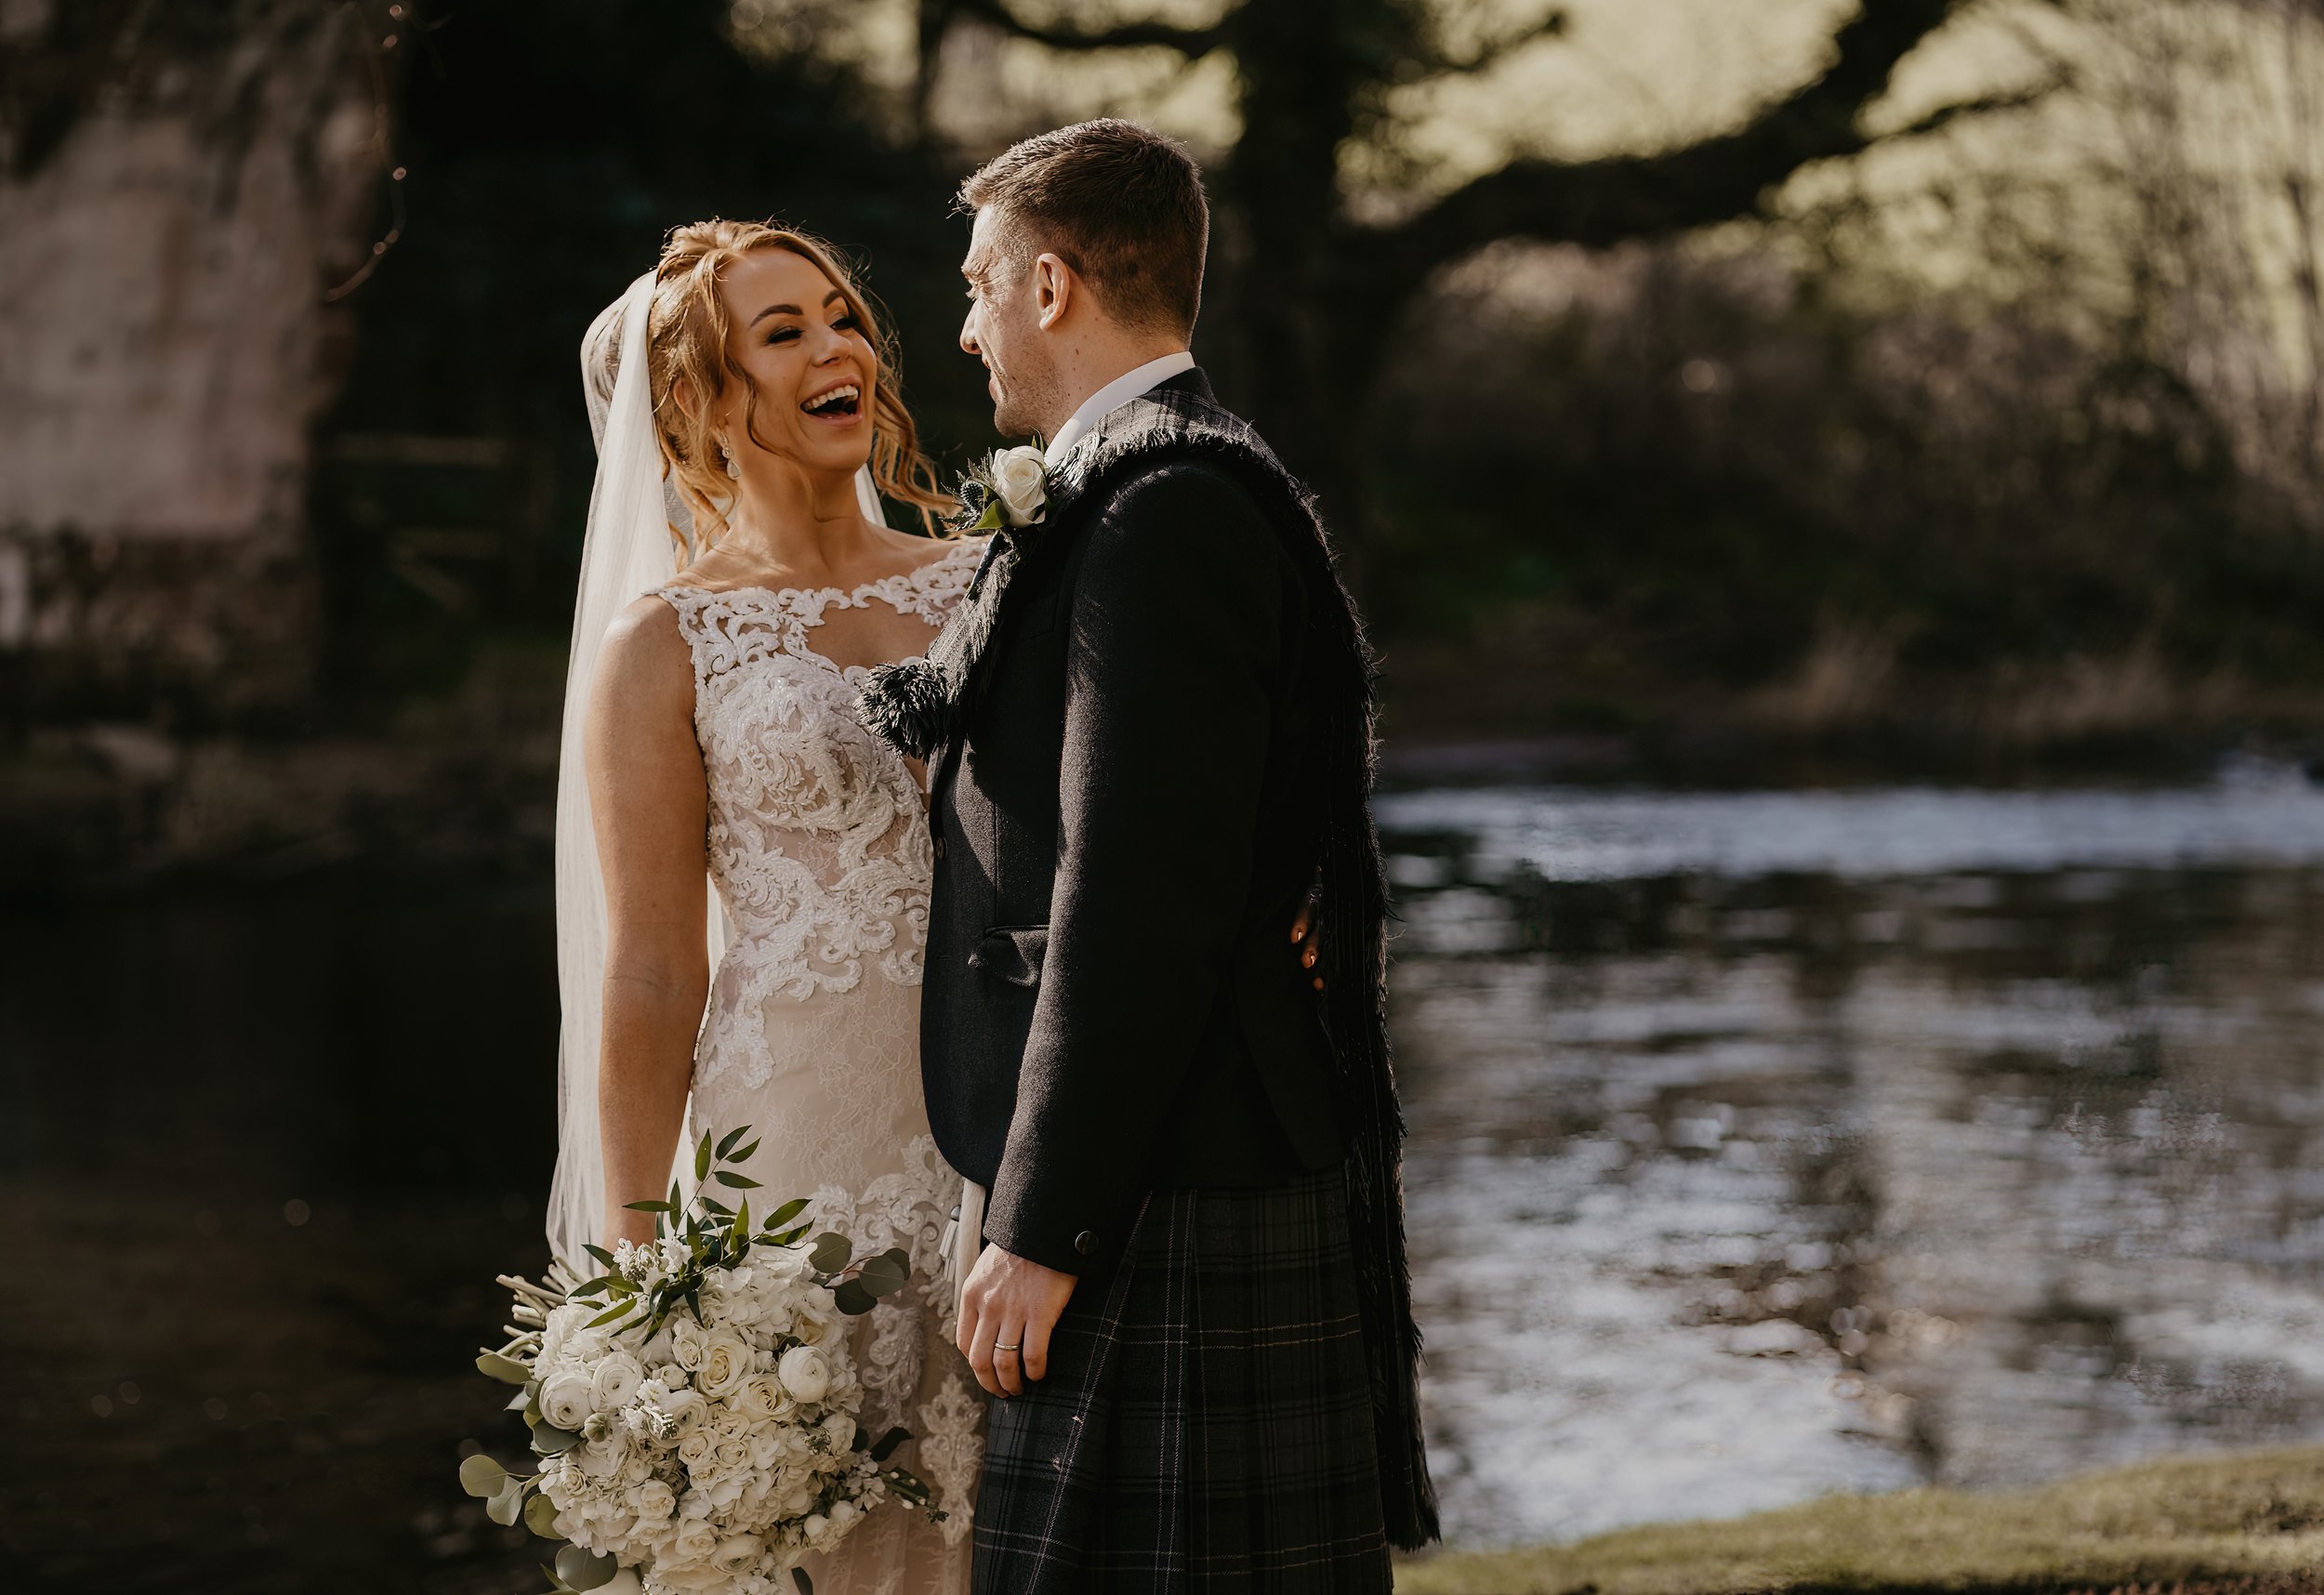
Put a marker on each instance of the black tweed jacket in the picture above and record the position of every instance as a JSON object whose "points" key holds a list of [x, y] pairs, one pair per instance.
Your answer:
{"points": [[1149, 727]]}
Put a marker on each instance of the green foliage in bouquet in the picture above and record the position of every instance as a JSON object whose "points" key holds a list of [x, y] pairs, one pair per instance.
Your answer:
{"points": [[711, 1237]]}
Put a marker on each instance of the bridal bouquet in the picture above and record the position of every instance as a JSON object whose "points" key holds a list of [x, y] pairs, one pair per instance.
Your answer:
{"points": [[693, 1406]]}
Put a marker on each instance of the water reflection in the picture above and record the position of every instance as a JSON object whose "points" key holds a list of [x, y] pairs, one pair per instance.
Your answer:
{"points": [[1765, 1145], [1761, 1145]]}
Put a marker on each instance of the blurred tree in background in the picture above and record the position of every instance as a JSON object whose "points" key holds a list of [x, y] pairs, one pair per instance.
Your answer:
{"points": [[1924, 382]]}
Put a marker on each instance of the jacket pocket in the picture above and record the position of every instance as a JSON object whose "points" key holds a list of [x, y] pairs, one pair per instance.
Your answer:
{"points": [[1012, 954]]}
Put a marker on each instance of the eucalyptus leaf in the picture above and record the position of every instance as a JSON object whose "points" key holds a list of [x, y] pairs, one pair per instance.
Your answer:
{"points": [[887, 1273], [540, 1516], [507, 1502], [582, 1570], [549, 1441], [886, 1445], [833, 1252], [480, 1476], [851, 1297], [521, 1400], [507, 1370], [806, 1585]]}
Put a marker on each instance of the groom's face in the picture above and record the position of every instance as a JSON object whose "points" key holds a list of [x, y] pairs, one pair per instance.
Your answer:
{"points": [[1004, 330]]}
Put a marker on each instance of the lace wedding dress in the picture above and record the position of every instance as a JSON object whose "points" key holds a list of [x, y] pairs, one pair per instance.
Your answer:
{"points": [[819, 848]]}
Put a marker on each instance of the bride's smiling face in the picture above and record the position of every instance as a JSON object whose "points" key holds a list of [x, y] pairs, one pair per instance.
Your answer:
{"points": [[794, 335]]}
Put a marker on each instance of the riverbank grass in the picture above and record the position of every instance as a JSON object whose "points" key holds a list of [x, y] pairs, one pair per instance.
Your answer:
{"points": [[2194, 1521]]}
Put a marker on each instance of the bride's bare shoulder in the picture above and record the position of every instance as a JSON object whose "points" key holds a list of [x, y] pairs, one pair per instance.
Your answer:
{"points": [[644, 663]]}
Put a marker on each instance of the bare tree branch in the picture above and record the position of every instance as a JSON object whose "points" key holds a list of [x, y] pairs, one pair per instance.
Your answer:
{"points": [[1985, 105], [1601, 202], [1494, 51], [1192, 42]]}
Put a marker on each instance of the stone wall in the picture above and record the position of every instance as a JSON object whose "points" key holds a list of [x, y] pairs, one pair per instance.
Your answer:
{"points": [[178, 196]]}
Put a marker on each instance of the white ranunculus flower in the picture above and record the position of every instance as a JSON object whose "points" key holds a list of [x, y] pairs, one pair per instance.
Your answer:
{"points": [[602, 1459], [615, 1380], [565, 1400], [805, 1372], [725, 1364], [737, 1552], [694, 1446], [1021, 481]]}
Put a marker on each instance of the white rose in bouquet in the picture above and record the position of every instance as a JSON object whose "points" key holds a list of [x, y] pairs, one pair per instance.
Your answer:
{"points": [[694, 1407], [687, 1338], [725, 1364]]}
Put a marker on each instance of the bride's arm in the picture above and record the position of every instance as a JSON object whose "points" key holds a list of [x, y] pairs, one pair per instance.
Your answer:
{"points": [[648, 803]]}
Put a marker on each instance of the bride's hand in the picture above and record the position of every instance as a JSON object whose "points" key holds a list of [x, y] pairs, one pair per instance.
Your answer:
{"points": [[1307, 934]]}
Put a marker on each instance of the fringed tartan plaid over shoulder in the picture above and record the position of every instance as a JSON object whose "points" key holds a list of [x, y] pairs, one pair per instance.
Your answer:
{"points": [[922, 705]]}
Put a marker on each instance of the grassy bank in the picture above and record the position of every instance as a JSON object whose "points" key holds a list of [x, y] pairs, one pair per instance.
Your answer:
{"points": [[2249, 1522]]}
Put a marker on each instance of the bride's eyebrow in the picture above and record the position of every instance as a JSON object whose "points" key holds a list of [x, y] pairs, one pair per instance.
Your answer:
{"points": [[793, 310]]}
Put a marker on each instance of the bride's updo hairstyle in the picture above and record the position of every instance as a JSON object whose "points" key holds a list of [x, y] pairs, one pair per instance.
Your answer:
{"points": [[688, 342]]}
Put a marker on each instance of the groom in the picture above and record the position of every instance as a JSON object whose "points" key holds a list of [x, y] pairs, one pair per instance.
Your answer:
{"points": [[1150, 736]]}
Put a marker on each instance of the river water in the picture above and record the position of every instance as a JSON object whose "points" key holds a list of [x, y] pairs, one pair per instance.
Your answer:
{"points": [[1762, 1145], [1769, 1144]]}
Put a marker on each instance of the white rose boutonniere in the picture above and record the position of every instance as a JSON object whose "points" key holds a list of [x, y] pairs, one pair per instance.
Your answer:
{"points": [[1009, 490], [1021, 483]]}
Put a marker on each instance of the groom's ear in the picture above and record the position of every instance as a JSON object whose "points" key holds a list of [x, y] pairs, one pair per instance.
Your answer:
{"points": [[1054, 286]]}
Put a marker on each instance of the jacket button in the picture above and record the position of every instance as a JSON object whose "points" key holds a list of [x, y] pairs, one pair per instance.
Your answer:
{"points": [[1086, 1242], [940, 846]]}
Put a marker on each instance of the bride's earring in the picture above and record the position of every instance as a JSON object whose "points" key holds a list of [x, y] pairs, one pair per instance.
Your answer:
{"points": [[734, 467]]}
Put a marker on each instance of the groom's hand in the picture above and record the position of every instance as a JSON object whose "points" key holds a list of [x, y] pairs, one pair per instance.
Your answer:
{"points": [[1009, 1302]]}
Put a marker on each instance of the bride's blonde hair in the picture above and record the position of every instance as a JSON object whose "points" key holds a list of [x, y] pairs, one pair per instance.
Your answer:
{"points": [[687, 342]]}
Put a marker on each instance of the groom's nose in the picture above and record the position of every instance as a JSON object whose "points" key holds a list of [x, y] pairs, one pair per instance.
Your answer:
{"points": [[968, 333]]}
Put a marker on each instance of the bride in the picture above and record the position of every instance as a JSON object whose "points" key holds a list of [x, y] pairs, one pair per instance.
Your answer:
{"points": [[737, 586]]}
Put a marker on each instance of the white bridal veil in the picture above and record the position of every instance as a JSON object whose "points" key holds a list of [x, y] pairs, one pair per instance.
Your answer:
{"points": [[628, 551]]}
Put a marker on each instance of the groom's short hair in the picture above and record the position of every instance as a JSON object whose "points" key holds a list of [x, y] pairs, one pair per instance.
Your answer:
{"points": [[1120, 204]]}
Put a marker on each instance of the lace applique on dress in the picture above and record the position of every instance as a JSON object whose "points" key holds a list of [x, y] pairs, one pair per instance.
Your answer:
{"points": [[815, 835], [818, 844]]}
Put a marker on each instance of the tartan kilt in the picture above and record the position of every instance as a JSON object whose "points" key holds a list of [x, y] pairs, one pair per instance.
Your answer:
{"points": [[1205, 1423]]}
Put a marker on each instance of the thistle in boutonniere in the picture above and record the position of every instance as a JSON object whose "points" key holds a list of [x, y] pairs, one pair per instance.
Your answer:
{"points": [[1010, 490]]}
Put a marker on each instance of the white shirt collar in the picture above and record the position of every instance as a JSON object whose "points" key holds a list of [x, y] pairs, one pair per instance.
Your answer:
{"points": [[1111, 397]]}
